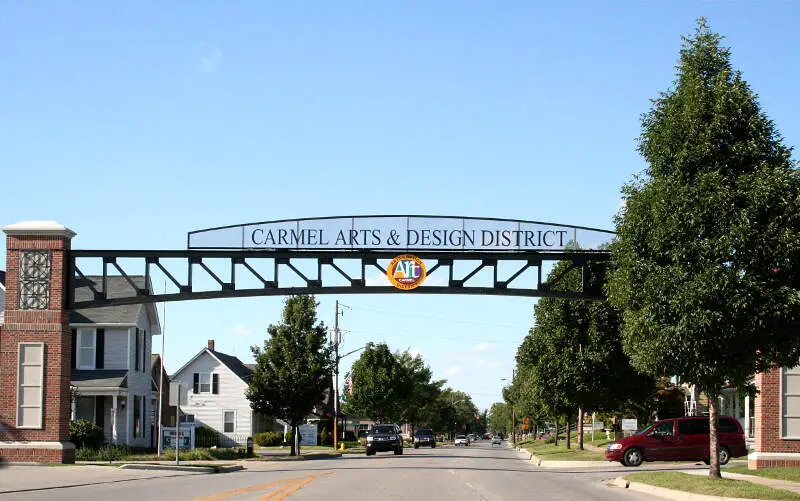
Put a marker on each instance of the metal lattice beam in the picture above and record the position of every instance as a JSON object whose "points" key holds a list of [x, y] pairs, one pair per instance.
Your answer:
{"points": [[85, 293]]}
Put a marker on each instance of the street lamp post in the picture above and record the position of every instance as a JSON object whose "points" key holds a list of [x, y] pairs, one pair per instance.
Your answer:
{"points": [[513, 411]]}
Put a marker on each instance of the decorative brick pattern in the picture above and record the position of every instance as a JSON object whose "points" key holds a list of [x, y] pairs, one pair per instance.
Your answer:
{"points": [[50, 326]]}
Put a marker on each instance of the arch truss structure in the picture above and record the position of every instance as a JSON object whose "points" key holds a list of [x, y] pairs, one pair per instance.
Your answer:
{"points": [[343, 255]]}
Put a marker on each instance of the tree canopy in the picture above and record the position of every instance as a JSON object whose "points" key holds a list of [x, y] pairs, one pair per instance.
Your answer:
{"points": [[293, 369], [707, 254]]}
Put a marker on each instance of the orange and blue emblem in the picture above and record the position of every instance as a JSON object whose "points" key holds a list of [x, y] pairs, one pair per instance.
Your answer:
{"points": [[406, 272]]}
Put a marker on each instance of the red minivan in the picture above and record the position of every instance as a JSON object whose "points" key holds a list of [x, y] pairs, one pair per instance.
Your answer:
{"points": [[679, 439]]}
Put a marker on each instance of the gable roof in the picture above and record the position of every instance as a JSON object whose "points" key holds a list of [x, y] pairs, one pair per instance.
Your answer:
{"points": [[235, 365], [232, 363], [118, 286]]}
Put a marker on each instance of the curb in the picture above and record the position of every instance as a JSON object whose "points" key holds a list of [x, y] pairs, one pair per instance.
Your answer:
{"points": [[190, 469], [670, 493], [302, 457], [542, 463]]}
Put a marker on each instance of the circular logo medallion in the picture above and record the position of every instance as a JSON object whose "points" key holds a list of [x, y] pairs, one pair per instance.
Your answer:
{"points": [[406, 272]]}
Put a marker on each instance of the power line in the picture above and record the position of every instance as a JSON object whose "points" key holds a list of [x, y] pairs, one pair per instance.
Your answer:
{"points": [[440, 319], [435, 336]]}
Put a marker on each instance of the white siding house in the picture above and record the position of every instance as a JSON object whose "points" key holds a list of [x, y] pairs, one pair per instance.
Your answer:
{"points": [[112, 384], [216, 385]]}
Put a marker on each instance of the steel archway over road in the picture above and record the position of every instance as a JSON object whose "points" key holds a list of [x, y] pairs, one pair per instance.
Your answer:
{"points": [[343, 255]]}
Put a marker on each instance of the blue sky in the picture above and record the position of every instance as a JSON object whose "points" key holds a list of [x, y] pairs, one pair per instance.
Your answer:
{"points": [[136, 122]]}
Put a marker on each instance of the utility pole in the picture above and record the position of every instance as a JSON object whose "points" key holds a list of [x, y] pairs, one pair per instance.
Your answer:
{"points": [[336, 340]]}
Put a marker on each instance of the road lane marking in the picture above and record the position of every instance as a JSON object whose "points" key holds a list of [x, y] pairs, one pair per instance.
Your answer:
{"points": [[290, 489], [245, 490], [469, 485], [284, 488]]}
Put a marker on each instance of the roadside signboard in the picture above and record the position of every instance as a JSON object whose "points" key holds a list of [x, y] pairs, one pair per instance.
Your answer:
{"points": [[630, 425], [176, 390], [308, 434], [186, 441]]}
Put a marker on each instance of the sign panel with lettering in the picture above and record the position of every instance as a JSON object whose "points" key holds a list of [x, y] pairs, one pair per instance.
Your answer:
{"points": [[402, 233]]}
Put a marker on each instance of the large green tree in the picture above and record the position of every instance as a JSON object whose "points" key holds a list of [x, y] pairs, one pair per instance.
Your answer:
{"points": [[572, 358], [293, 368], [422, 391], [500, 418], [379, 389], [707, 252]]}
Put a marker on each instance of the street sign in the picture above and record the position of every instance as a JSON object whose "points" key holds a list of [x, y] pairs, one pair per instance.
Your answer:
{"points": [[178, 390]]}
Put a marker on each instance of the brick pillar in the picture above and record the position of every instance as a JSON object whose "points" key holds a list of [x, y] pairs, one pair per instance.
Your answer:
{"points": [[36, 314], [771, 450]]}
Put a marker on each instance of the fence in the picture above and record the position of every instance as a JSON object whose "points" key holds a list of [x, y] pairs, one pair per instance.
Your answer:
{"points": [[216, 439]]}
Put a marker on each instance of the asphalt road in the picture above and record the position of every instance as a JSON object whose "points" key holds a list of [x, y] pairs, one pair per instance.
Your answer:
{"points": [[478, 472]]}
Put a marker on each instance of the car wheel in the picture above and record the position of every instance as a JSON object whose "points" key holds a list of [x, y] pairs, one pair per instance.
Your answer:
{"points": [[397, 452], [433, 446], [633, 457], [724, 455], [416, 446]]}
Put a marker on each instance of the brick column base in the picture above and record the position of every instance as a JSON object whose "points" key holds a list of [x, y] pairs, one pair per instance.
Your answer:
{"points": [[756, 460], [37, 452]]}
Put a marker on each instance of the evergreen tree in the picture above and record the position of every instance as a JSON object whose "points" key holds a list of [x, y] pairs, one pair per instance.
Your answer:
{"points": [[708, 245]]}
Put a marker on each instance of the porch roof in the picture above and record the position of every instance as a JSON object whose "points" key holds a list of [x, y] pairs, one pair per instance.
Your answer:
{"points": [[100, 378]]}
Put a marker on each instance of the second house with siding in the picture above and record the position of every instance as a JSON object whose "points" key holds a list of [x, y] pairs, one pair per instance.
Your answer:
{"points": [[216, 385]]}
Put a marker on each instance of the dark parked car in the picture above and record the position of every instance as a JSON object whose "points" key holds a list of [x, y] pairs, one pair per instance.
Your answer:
{"points": [[384, 438], [679, 439], [424, 436]]}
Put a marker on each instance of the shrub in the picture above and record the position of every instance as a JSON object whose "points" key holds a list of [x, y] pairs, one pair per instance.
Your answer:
{"points": [[206, 437], [268, 439], [323, 437], [84, 433], [228, 453]]}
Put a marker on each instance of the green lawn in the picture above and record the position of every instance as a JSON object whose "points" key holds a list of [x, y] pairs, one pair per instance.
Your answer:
{"points": [[701, 484], [550, 452], [792, 474]]}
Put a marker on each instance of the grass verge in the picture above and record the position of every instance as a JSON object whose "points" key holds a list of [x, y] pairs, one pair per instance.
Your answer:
{"points": [[550, 452], [791, 474], [700, 484]]}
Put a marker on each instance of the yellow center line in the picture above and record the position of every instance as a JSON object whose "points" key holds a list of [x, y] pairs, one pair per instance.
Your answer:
{"points": [[251, 488], [282, 489], [292, 488]]}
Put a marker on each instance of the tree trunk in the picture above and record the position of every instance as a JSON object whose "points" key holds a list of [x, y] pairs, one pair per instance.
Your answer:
{"points": [[580, 428], [556, 442], [568, 431], [713, 435]]}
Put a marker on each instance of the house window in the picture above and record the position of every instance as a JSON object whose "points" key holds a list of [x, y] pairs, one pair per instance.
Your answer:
{"points": [[229, 421], [30, 372], [790, 403], [205, 383], [86, 348], [137, 416]]}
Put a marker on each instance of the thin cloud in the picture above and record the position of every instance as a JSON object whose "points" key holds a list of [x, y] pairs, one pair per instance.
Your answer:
{"points": [[211, 58], [241, 330], [483, 346], [452, 371]]}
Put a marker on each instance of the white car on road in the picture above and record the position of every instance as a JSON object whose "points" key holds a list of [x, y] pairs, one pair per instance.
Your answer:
{"points": [[461, 440]]}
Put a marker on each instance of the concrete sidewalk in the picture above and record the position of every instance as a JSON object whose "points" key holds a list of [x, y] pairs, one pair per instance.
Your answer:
{"points": [[785, 485], [18, 478]]}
